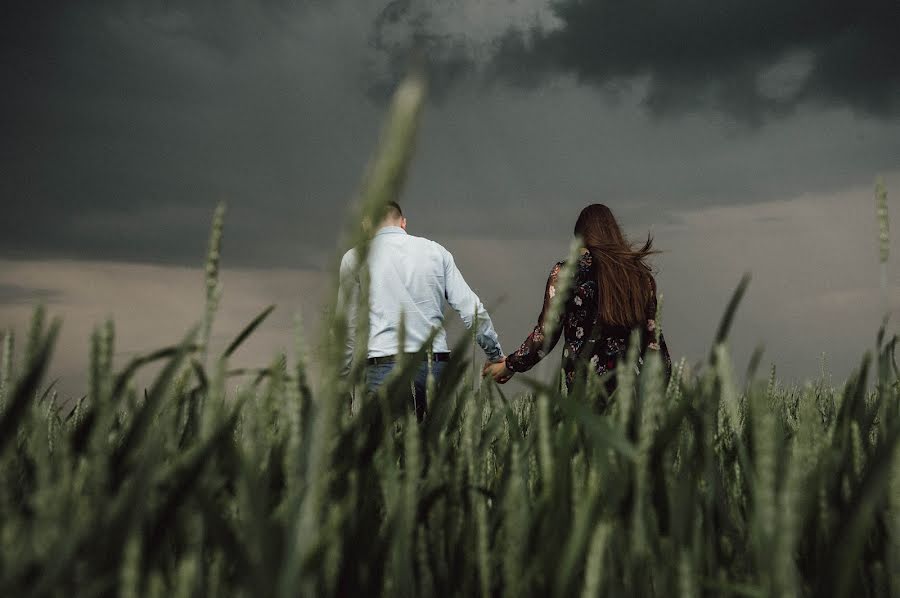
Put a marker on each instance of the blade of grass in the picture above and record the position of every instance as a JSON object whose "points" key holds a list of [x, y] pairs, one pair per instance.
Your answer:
{"points": [[24, 391], [247, 331]]}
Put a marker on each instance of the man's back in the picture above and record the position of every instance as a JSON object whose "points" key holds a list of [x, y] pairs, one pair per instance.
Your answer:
{"points": [[413, 276], [407, 277]]}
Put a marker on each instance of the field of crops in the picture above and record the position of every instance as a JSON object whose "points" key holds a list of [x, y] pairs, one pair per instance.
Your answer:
{"points": [[197, 487]]}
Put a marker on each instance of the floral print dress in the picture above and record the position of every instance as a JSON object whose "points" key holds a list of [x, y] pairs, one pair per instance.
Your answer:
{"points": [[576, 321]]}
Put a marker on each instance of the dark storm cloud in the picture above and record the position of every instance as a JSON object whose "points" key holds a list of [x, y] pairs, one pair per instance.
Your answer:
{"points": [[405, 26], [126, 122], [720, 53], [750, 59]]}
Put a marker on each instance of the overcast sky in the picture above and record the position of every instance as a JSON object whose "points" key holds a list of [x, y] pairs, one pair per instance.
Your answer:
{"points": [[745, 135]]}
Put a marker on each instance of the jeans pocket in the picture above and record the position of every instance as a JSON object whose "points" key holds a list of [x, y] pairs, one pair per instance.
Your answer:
{"points": [[376, 375]]}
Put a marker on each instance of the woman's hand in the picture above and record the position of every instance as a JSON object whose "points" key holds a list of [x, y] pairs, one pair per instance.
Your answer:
{"points": [[498, 371]]}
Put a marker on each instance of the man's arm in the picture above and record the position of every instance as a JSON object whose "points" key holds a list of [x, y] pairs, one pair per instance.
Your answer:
{"points": [[467, 305], [348, 292]]}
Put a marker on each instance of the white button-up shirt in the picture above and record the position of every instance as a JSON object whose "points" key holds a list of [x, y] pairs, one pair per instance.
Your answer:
{"points": [[412, 276]]}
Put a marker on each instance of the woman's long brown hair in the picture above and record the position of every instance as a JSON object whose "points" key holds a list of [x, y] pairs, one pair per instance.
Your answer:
{"points": [[623, 277]]}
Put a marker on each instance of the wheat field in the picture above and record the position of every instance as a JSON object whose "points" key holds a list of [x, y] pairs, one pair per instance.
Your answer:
{"points": [[199, 486]]}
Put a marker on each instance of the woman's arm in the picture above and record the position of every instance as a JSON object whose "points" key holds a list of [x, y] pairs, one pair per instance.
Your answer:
{"points": [[539, 342]]}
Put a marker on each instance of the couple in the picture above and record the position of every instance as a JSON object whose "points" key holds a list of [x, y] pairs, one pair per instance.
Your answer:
{"points": [[612, 293]]}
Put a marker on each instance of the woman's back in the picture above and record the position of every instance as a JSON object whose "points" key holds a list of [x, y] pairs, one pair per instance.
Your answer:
{"points": [[586, 336]]}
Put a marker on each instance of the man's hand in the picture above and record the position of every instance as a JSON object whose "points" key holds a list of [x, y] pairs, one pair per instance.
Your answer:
{"points": [[498, 371]]}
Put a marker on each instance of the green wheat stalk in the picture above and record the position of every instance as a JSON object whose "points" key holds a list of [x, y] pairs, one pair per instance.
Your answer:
{"points": [[213, 285], [884, 240]]}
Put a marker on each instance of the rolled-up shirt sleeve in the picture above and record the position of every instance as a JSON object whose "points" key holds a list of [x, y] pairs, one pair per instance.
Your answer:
{"points": [[469, 307], [347, 298]]}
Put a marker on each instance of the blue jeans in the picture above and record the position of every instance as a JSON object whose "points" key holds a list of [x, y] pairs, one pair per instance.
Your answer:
{"points": [[377, 374]]}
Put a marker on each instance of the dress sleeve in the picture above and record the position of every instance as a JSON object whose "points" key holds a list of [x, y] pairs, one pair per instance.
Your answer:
{"points": [[654, 339], [538, 342]]}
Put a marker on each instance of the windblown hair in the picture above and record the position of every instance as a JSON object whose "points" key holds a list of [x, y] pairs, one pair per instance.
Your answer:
{"points": [[624, 279]]}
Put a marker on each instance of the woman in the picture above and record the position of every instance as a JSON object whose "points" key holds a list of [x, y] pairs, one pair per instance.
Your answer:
{"points": [[613, 292]]}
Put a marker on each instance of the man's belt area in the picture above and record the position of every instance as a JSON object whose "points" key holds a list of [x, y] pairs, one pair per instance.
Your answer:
{"points": [[436, 357]]}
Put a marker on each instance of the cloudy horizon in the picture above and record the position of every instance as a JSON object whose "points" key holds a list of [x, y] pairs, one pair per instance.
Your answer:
{"points": [[745, 136]]}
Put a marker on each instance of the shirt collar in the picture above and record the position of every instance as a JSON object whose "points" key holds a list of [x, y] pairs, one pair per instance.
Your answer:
{"points": [[390, 230]]}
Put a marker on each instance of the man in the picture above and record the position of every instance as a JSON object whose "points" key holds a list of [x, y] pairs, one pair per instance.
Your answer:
{"points": [[411, 276]]}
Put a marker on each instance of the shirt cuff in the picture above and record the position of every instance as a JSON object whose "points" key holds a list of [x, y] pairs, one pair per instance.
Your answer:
{"points": [[495, 356]]}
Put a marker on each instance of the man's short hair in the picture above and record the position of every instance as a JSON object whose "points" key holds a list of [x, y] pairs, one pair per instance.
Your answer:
{"points": [[391, 210]]}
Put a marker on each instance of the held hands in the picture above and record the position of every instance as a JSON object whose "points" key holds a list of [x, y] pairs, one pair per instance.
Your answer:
{"points": [[498, 371]]}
